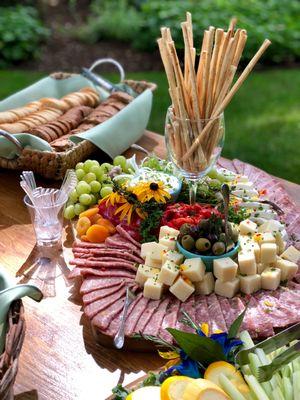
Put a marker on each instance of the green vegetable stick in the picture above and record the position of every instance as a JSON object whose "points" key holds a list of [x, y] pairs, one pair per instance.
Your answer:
{"points": [[296, 385], [256, 387], [277, 394], [255, 363], [230, 389], [246, 339], [288, 388]]}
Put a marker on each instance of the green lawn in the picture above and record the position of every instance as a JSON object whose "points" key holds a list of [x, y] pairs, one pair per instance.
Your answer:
{"points": [[262, 122]]}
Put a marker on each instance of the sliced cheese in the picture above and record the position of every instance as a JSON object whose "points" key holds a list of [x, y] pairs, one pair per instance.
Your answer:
{"points": [[206, 286], [250, 283], [270, 278], [168, 273], [182, 288], [227, 289], [193, 269], [225, 269]]}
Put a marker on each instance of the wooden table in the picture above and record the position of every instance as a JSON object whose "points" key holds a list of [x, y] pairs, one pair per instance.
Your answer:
{"points": [[60, 359]]}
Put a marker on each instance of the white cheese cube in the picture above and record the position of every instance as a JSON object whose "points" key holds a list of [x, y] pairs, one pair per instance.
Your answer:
{"points": [[248, 244], [225, 269], [152, 263], [206, 286], [182, 288], [261, 267], [288, 269], [291, 254], [168, 241], [143, 273], [193, 269], [247, 262], [168, 273], [268, 252], [153, 289], [146, 248], [168, 231], [227, 289], [156, 251], [270, 278], [172, 255], [270, 226], [279, 242], [247, 227], [250, 283]]}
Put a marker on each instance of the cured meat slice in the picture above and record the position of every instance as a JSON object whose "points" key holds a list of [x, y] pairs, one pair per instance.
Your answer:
{"points": [[102, 272], [93, 283], [85, 263], [215, 314], [131, 322], [104, 318], [256, 322], [100, 294], [146, 315], [127, 236], [117, 253], [153, 326], [94, 308], [239, 166], [169, 320], [228, 164], [228, 312], [201, 315], [88, 245], [189, 307], [118, 241]]}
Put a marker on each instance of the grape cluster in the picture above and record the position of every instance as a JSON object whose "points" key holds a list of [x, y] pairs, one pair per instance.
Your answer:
{"points": [[94, 183]]}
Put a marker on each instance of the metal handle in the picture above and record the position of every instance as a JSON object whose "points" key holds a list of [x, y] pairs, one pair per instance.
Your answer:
{"points": [[12, 139], [109, 61]]}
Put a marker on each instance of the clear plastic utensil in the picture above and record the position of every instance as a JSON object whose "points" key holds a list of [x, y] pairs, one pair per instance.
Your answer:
{"points": [[69, 183], [28, 177]]}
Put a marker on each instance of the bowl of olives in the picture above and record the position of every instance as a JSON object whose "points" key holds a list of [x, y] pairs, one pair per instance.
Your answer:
{"points": [[208, 240]]}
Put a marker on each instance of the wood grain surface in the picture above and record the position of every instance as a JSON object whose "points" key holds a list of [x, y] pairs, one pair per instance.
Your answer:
{"points": [[60, 359]]}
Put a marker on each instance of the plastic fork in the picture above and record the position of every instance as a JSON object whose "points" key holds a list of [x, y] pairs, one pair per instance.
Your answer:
{"points": [[28, 177], [69, 183], [120, 335]]}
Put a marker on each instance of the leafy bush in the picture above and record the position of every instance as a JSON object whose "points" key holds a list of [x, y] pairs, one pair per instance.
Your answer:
{"points": [[20, 34], [139, 22], [111, 19]]}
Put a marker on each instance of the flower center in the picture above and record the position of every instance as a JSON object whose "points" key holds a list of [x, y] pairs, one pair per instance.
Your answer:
{"points": [[153, 186]]}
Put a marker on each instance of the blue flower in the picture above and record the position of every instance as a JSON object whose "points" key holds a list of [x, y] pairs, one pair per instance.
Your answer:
{"points": [[226, 343], [186, 367]]}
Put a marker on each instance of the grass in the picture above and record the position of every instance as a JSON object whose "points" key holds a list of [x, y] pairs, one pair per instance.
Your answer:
{"points": [[262, 121]]}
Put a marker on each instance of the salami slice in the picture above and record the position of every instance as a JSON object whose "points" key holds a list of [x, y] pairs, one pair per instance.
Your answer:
{"points": [[154, 325], [131, 322], [201, 315], [146, 315], [215, 314], [189, 307], [85, 263], [126, 235], [169, 320], [98, 294], [104, 273], [227, 311], [256, 322], [104, 317], [94, 308], [94, 283]]}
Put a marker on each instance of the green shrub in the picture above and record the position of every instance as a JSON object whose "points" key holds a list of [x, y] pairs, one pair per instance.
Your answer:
{"points": [[278, 20], [111, 19], [20, 34]]}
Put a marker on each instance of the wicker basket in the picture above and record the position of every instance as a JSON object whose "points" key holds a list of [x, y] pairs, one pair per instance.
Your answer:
{"points": [[53, 165], [10, 358]]}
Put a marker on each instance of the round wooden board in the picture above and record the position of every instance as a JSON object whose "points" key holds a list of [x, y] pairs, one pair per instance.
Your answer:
{"points": [[132, 385], [130, 344]]}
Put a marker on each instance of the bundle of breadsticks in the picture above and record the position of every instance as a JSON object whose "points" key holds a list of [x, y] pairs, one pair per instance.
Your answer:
{"points": [[200, 93]]}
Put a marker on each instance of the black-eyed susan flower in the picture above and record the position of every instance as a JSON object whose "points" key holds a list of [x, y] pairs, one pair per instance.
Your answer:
{"points": [[146, 191]]}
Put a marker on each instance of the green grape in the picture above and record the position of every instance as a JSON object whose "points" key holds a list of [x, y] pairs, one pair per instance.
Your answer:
{"points": [[104, 178], [95, 164], [69, 212], [95, 186], [80, 174], [79, 165], [73, 196], [69, 203], [97, 171], [83, 187], [213, 173], [93, 199], [89, 177], [106, 190], [79, 208], [87, 165], [121, 161], [85, 199], [106, 167]]}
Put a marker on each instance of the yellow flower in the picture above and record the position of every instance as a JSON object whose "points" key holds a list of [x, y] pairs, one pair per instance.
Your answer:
{"points": [[146, 191], [125, 210], [113, 199]]}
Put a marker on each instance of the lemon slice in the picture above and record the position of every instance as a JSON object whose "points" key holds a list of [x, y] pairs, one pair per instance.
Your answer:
{"points": [[145, 393], [173, 387], [214, 370]]}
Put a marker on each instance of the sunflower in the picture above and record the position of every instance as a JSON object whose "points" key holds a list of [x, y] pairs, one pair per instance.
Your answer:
{"points": [[146, 191]]}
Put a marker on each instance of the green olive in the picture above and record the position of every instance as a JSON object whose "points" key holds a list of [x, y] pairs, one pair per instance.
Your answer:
{"points": [[187, 242], [185, 229], [222, 237], [218, 248], [203, 244], [203, 224]]}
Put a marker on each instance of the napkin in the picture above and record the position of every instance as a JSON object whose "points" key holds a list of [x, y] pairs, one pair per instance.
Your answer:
{"points": [[9, 150], [116, 134]]}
